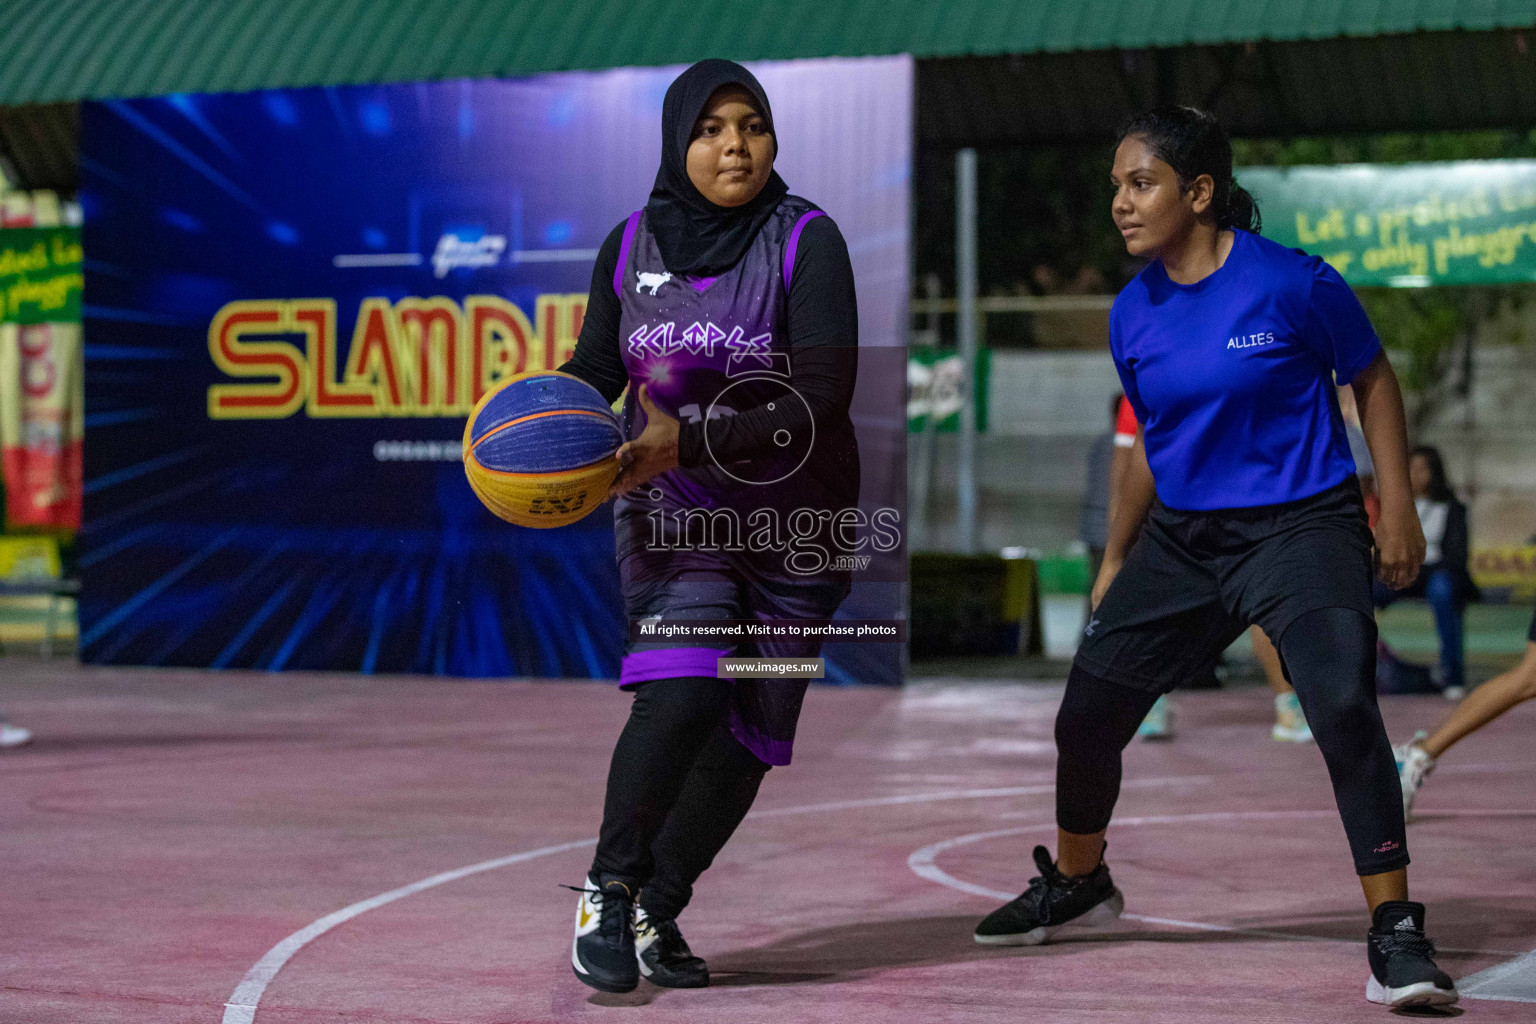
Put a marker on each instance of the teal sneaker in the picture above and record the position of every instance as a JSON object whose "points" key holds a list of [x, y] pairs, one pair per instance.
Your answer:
{"points": [[1158, 725], [1290, 722]]}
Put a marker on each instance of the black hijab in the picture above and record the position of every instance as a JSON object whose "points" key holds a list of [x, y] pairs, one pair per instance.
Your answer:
{"points": [[694, 235]]}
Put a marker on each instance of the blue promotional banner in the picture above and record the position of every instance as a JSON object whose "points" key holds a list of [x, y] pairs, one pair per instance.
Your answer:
{"points": [[292, 300]]}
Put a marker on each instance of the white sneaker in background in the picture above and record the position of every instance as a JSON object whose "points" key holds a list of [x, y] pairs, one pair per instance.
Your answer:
{"points": [[1290, 722], [1413, 765], [13, 735], [1158, 725]]}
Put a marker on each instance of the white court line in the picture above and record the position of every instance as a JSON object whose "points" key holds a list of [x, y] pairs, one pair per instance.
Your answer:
{"points": [[241, 1008], [960, 794], [242, 1005], [922, 863], [1513, 981]]}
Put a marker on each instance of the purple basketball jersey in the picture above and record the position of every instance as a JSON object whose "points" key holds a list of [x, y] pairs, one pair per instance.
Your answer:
{"points": [[688, 540], [709, 348]]}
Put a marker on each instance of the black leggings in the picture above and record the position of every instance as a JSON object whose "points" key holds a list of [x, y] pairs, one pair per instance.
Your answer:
{"points": [[1330, 657], [678, 786]]}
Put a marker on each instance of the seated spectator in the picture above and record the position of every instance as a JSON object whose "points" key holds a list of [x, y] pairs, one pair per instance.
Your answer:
{"points": [[1445, 581]]}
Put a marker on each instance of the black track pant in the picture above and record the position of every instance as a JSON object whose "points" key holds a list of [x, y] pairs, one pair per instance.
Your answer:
{"points": [[1330, 656], [678, 786]]}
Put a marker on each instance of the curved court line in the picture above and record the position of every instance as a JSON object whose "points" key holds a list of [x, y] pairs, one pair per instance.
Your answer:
{"points": [[959, 794], [922, 863], [241, 1007]]}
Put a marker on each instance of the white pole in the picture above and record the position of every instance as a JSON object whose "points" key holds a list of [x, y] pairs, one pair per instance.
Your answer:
{"points": [[965, 289], [922, 476]]}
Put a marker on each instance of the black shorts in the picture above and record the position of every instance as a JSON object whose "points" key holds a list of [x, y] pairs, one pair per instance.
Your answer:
{"points": [[1195, 580], [764, 712], [1531, 634]]}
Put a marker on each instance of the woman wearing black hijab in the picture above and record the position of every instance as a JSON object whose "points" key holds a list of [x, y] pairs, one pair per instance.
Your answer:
{"points": [[726, 306]]}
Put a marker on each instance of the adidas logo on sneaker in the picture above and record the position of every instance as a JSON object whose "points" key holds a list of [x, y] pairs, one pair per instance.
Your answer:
{"points": [[1402, 959]]}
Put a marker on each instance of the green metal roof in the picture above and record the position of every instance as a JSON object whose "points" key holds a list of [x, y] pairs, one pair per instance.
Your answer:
{"points": [[61, 50]]}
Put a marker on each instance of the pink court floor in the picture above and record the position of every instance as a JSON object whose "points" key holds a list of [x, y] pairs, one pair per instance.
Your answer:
{"points": [[205, 848]]}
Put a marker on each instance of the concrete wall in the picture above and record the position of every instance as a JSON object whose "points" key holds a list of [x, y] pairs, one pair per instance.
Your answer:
{"points": [[1489, 443], [1046, 407]]}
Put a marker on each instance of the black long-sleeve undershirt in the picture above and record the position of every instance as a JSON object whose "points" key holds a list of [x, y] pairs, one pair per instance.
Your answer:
{"points": [[823, 347]]}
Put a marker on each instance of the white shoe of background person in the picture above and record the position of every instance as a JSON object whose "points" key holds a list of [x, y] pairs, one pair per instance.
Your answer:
{"points": [[1158, 725], [1290, 721], [13, 735], [1413, 765]]}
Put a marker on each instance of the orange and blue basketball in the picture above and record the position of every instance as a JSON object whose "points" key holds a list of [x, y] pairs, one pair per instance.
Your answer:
{"points": [[538, 449]]}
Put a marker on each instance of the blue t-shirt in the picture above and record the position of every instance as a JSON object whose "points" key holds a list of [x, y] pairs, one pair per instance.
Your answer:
{"points": [[1232, 377]]}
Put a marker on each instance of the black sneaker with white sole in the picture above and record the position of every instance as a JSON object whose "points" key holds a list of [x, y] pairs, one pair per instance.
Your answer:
{"points": [[1052, 902], [664, 956], [1403, 969], [603, 951]]}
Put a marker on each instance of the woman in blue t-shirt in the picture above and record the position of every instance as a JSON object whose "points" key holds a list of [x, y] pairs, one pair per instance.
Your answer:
{"points": [[1244, 496]]}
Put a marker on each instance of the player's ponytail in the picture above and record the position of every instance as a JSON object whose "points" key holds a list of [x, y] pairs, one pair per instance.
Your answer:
{"points": [[1242, 211], [1193, 143]]}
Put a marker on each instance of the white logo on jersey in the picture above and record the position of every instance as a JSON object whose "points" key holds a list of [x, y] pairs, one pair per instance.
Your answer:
{"points": [[1257, 340], [700, 338], [743, 346], [746, 357], [754, 355], [655, 340], [651, 281]]}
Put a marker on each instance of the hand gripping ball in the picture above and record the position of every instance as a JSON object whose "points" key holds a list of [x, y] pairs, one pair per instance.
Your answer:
{"points": [[538, 449]]}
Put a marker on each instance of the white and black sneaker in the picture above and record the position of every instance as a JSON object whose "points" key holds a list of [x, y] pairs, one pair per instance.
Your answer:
{"points": [[664, 956], [603, 951], [1052, 902], [1403, 969]]}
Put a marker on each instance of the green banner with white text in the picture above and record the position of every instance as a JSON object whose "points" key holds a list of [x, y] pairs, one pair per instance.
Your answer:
{"points": [[1406, 225]]}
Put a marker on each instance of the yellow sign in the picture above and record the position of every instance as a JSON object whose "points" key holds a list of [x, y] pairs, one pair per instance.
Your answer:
{"points": [[29, 559], [414, 357], [1513, 568]]}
